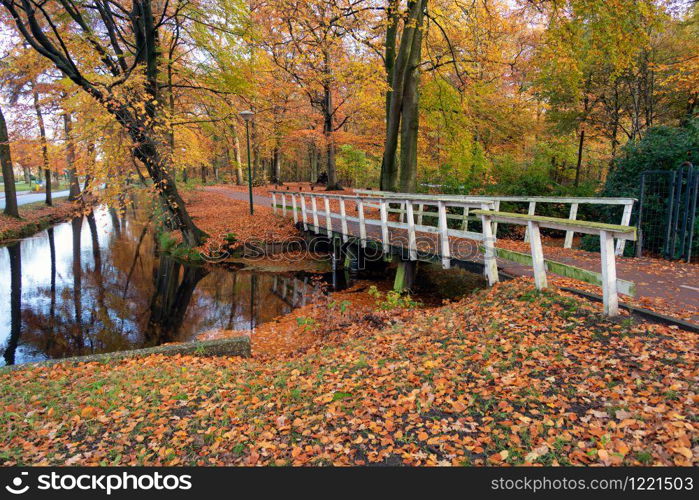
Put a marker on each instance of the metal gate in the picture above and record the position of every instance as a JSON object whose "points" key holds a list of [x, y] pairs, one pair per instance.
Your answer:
{"points": [[667, 216]]}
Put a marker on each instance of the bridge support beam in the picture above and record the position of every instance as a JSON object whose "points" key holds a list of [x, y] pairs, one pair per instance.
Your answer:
{"points": [[405, 276]]}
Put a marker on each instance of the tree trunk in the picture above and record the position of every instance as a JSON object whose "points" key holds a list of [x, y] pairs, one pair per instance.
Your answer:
{"points": [[392, 19], [578, 168], [615, 122], [74, 192], [389, 166], [255, 152], [330, 143], [15, 302], [313, 162], [8, 174], [236, 154], [276, 165], [44, 146], [410, 122]]}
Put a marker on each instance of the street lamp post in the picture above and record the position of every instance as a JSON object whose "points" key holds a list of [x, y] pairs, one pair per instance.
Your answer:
{"points": [[247, 117]]}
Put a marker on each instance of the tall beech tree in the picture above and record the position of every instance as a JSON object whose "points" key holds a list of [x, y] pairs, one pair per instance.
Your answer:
{"points": [[74, 189], [403, 99], [307, 40], [44, 143], [110, 49], [8, 174]]}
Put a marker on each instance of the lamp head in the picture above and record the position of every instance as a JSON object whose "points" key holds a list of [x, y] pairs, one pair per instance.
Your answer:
{"points": [[247, 115]]}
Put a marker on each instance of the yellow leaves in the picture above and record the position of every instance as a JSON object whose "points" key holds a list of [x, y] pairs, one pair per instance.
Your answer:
{"points": [[684, 451], [533, 455], [88, 411]]}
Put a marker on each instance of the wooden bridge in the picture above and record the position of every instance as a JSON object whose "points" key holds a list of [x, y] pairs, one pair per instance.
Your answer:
{"points": [[436, 228]]}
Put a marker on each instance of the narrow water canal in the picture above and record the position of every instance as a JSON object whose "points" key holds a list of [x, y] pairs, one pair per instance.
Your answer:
{"points": [[98, 284]]}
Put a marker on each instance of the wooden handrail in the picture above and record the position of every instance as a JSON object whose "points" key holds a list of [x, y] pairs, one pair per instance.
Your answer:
{"points": [[573, 201], [585, 227], [484, 209]]}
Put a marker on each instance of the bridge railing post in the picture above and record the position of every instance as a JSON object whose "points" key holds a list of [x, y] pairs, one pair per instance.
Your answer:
{"points": [[328, 219], [496, 207], [343, 220], [303, 212], [274, 203], [314, 209], [383, 210], [294, 207], [444, 235], [412, 239], [284, 204], [362, 221], [537, 250], [625, 221], [571, 234], [491, 265], [532, 211], [464, 224], [609, 284]]}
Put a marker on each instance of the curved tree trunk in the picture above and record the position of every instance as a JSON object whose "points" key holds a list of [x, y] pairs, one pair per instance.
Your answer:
{"points": [[145, 126]]}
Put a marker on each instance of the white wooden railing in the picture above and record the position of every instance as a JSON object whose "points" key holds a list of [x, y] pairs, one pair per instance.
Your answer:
{"points": [[317, 219], [534, 201], [323, 218], [606, 232]]}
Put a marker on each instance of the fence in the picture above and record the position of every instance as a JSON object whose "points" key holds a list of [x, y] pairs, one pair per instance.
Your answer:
{"points": [[667, 214], [533, 201]]}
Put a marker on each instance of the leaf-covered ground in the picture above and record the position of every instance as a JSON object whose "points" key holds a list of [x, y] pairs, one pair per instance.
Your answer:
{"points": [[509, 375], [34, 217], [229, 224]]}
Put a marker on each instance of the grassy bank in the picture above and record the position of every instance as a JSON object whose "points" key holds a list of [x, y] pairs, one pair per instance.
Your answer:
{"points": [[35, 217], [509, 375]]}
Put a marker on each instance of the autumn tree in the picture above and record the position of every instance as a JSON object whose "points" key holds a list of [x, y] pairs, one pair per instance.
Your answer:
{"points": [[8, 175], [307, 40], [402, 112], [588, 56], [111, 50]]}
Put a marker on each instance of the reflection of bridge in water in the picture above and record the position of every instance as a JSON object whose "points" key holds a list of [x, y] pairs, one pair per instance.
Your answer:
{"points": [[293, 291]]}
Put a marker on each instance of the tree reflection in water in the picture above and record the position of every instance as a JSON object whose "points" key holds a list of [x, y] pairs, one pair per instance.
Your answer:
{"points": [[98, 284], [15, 302], [174, 287]]}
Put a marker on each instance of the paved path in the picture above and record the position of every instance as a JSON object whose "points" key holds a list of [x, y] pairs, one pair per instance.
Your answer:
{"points": [[25, 199], [658, 282]]}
